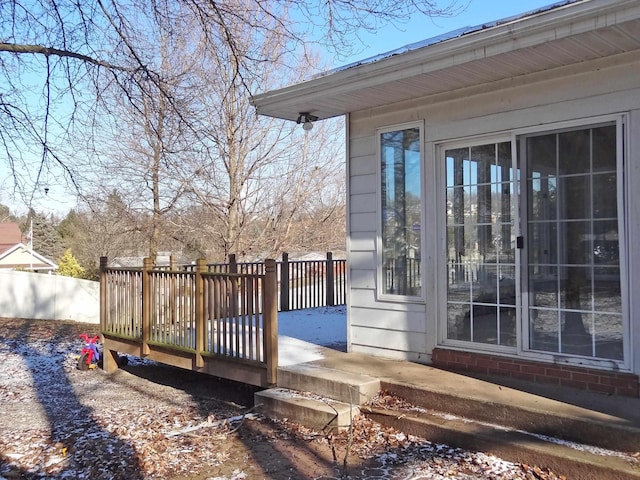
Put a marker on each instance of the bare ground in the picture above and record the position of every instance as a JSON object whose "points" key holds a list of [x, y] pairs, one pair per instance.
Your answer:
{"points": [[150, 421]]}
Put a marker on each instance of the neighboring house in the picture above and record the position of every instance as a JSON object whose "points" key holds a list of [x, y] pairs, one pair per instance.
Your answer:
{"points": [[494, 195], [14, 254], [162, 260], [10, 235]]}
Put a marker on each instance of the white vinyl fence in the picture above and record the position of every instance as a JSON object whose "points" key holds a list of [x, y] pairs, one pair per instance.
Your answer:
{"points": [[48, 297]]}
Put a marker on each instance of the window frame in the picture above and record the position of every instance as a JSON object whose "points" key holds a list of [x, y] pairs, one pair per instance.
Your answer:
{"points": [[524, 349], [442, 325], [380, 294]]}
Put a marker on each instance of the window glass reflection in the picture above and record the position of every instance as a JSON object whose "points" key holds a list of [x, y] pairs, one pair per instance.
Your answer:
{"points": [[401, 212]]}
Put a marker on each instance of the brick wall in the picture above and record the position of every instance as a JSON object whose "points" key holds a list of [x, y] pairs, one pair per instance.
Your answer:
{"points": [[612, 383]]}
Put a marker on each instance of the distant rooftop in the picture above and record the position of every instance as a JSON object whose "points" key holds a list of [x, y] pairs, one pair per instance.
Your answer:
{"points": [[10, 235]]}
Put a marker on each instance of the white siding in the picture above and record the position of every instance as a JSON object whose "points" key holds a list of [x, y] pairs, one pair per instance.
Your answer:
{"points": [[362, 260], [362, 279], [384, 339], [633, 232], [363, 222], [361, 184], [362, 242], [363, 203], [602, 87], [363, 165]]}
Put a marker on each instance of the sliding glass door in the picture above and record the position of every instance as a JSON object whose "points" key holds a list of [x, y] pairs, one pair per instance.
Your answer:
{"points": [[533, 244]]}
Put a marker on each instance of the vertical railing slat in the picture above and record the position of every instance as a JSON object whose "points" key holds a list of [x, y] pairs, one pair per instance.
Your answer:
{"points": [[250, 313], [284, 283], [224, 304], [146, 304], [218, 303], [201, 267]]}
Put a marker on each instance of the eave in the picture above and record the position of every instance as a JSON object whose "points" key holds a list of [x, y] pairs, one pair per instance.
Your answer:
{"points": [[40, 262], [566, 35]]}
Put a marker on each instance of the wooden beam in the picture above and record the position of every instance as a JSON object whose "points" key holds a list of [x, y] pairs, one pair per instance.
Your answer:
{"points": [[270, 320], [201, 267], [146, 304]]}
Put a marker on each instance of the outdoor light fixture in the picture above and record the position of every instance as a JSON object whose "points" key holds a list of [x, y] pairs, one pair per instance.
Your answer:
{"points": [[306, 119]]}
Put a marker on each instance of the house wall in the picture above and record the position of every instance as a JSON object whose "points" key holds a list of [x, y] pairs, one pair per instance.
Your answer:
{"points": [[396, 330], [408, 330], [17, 257], [48, 297], [22, 258]]}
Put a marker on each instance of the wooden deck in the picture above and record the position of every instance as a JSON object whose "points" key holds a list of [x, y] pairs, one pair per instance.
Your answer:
{"points": [[222, 324]]}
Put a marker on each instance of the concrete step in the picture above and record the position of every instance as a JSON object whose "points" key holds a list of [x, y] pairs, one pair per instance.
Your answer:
{"points": [[322, 414], [530, 413], [563, 458], [521, 423], [347, 387]]}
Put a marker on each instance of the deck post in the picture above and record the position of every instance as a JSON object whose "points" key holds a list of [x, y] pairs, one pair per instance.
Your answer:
{"points": [[173, 291], [103, 296], [109, 357], [330, 281], [270, 318], [147, 266], [201, 267], [284, 283]]}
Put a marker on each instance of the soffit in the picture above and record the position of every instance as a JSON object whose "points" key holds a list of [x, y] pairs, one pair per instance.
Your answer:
{"points": [[537, 43]]}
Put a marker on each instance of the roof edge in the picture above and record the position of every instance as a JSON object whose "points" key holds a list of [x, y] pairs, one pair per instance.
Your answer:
{"points": [[35, 254], [509, 35]]}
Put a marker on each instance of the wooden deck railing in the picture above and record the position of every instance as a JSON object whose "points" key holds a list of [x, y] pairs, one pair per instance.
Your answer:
{"points": [[312, 283], [224, 324], [301, 283]]}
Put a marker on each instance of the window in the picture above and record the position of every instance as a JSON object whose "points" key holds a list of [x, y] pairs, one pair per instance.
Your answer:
{"points": [[401, 212]]}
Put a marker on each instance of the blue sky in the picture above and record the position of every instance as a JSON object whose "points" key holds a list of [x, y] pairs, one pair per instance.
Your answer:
{"points": [[60, 199], [421, 28]]}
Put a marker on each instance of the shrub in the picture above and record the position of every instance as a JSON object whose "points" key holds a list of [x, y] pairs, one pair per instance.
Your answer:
{"points": [[69, 266]]}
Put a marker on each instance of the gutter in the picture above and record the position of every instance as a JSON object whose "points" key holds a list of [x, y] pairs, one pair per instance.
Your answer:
{"points": [[568, 19]]}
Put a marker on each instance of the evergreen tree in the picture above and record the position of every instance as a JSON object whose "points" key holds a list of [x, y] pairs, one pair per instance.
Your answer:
{"points": [[69, 266], [44, 234]]}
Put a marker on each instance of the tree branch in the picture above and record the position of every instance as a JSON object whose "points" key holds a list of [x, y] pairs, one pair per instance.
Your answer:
{"points": [[56, 52]]}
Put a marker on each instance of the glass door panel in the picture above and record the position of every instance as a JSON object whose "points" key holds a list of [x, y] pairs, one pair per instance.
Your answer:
{"points": [[481, 271], [573, 303]]}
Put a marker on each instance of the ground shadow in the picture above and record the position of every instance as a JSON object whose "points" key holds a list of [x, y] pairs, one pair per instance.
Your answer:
{"points": [[72, 424], [202, 388], [272, 459], [267, 448], [627, 408]]}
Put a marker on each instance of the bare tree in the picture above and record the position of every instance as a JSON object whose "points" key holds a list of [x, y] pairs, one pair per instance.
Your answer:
{"points": [[251, 175], [308, 197], [53, 52], [109, 228], [148, 132]]}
